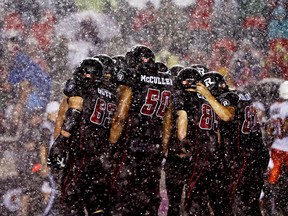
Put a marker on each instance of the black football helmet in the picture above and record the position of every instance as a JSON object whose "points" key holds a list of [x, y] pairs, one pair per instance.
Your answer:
{"points": [[161, 67], [174, 70], [105, 59], [200, 68], [187, 78], [215, 83], [90, 70], [108, 66], [140, 56]]}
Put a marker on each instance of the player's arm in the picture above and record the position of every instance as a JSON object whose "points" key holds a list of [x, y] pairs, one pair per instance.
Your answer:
{"points": [[72, 115], [182, 128], [67, 107], [121, 114], [182, 124], [61, 115], [226, 113], [167, 129], [69, 118], [58, 153]]}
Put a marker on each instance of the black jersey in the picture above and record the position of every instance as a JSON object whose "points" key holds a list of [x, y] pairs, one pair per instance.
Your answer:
{"points": [[235, 135], [99, 105], [151, 98], [237, 132], [202, 121]]}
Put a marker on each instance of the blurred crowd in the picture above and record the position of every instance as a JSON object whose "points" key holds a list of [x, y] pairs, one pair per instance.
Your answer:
{"points": [[43, 41]]}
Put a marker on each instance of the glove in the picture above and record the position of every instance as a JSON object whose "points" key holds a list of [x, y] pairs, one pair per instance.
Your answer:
{"points": [[58, 154], [181, 149]]}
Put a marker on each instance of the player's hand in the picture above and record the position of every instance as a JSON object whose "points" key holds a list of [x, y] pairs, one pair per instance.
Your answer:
{"points": [[183, 153], [58, 154], [202, 89], [181, 150]]}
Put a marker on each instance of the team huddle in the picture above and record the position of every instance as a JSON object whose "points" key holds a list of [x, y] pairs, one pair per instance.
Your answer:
{"points": [[123, 116]]}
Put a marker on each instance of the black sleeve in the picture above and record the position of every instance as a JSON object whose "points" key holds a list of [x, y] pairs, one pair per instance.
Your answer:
{"points": [[72, 88], [126, 77]]}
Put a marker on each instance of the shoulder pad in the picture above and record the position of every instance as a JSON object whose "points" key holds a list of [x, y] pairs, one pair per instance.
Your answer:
{"points": [[72, 88], [229, 99], [124, 76]]}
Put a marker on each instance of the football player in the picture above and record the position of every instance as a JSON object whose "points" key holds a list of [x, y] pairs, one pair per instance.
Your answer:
{"points": [[81, 147], [144, 109], [277, 127], [211, 86], [251, 158], [237, 141], [179, 166]]}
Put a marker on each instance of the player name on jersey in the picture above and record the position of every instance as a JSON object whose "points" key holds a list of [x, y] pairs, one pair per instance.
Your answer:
{"points": [[156, 80], [244, 96], [104, 92]]}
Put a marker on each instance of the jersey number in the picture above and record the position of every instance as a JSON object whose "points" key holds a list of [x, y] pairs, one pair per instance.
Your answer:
{"points": [[103, 113], [156, 100], [249, 121], [207, 117]]}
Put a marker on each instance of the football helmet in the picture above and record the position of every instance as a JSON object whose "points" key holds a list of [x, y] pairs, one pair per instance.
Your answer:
{"points": [[283, 90], [215, 83], [200, 68], [140, 56], [174, 70], [108, 66], [106, 60], [187, 78], [90, 70], [161, 67]]}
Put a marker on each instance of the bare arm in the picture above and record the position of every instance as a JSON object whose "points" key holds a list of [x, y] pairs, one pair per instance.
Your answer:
{"points": [[167, 129], [121, 114], [182, 124], [226, 113], [75, 102], [60, 117]]}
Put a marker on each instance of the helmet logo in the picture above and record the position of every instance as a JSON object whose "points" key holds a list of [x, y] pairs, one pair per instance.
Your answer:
{"points": [[200, 70], [208, 82], [225, 102], [120, 76]]}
